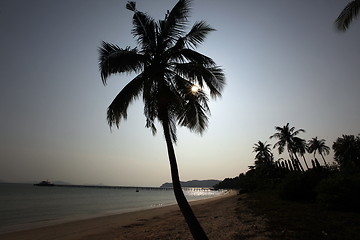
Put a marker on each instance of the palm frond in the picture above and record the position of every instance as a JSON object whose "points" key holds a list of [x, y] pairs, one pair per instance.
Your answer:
{"points": [[297, 131], [150, 105], [312, 145], [347, 15], [192, 108], [176, 21], [275, 135], [212, 77], [150, 124], [188, 55], [144, 30], [150, 113], [118, 108], [182, 85], [216, 81], [280, 145], [131, 6], [114, 59], [287, 128], [195, 112], [173, 52], [198, 33], [279, 129], [323, 148], [299, 145]]}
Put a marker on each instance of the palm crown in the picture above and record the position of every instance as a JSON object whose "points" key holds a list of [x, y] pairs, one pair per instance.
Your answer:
{"points": [[263, 152], [318, 145], [287, 137], [167, 66]]}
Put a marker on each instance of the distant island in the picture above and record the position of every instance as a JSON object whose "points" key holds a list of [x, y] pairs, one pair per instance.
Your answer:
{"points": [[194, 183]]}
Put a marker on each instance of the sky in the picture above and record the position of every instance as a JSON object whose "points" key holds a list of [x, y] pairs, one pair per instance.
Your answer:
{"points": [[284, 62]]}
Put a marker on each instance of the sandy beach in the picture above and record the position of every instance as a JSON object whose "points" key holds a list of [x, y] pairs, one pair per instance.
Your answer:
{"points": [[223, 217]]}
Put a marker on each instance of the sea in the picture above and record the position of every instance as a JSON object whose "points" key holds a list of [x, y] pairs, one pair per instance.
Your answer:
{"points": [[25, 206]]}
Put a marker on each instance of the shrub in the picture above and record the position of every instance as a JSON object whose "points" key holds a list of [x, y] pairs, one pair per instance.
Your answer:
{"points": [[340, 192], [300, 186]]}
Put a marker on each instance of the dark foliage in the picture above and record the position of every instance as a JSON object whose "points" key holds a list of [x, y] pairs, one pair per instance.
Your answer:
{"points": [[300, 186], [340, 192], [301, 220], [335, 187], [347, 153], [228, 183]]}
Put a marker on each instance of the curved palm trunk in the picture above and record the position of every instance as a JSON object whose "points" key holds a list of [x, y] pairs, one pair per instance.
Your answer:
{"points": [[291, 162], [299, 163], [315, 159], [307, 167], [194, 226], [323, 159], [296, 160]]}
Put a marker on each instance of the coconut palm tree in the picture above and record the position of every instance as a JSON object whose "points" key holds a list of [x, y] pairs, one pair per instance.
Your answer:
{"points": [[263, 153], [286, 137], [264, 160], [170, 77], [318, 145], [300, 147], [347, 15]]}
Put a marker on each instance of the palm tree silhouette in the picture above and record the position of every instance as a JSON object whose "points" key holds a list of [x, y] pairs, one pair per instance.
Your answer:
{"points": [[347, 15], [316, 145], [167, 68], [300, 147], [264, 161], [263, 153], [286, 137]]}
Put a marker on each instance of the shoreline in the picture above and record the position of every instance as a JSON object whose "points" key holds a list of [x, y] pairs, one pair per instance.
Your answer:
{"points": [[78, 229], [19, 219]]}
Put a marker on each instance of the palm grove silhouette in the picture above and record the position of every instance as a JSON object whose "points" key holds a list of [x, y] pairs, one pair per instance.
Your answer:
{"points": [[268, 172], [288, 137], [346, 152], [167, 68]]}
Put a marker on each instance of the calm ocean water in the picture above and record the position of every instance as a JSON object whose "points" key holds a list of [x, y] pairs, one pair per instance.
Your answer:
{"points": [[24, 206]]}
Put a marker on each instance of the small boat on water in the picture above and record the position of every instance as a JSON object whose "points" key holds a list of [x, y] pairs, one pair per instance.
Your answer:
{"points": [[45, 183]]}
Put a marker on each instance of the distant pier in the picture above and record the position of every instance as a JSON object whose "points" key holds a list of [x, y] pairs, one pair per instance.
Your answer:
{"points": [[135, 188]]}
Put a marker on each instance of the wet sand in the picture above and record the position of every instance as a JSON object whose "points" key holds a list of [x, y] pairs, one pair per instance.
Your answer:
{"points": [[223, 217]]}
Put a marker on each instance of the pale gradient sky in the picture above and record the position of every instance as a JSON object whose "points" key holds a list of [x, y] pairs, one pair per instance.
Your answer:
{"points": [[284, 62]]}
